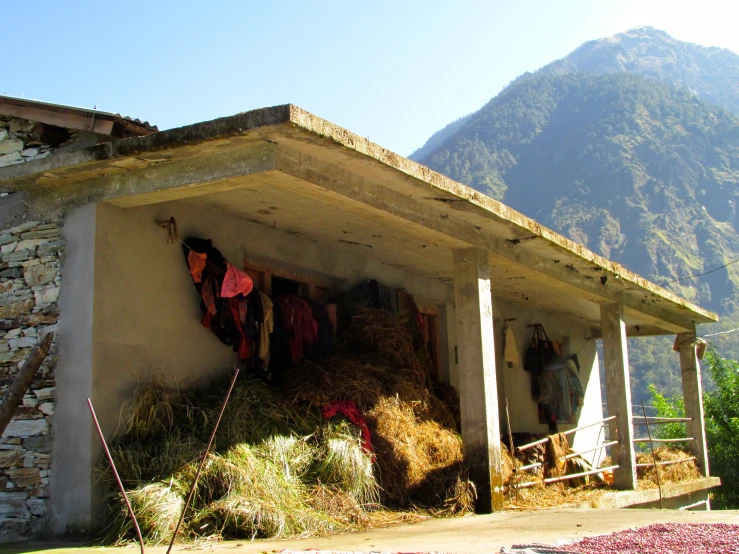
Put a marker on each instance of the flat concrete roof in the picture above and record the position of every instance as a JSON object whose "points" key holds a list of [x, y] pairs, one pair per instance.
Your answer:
{"points": [[329, 184]]}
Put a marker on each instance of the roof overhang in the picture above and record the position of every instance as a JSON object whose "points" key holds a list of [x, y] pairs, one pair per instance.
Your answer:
{"points": [[70, 117], [331, 185]]}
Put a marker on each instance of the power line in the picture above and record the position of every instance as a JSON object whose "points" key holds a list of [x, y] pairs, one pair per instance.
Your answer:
{"points": [[701, 274], [722, 333]]}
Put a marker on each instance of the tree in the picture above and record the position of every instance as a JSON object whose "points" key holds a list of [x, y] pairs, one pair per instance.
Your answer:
{"points": [[721, 407]]}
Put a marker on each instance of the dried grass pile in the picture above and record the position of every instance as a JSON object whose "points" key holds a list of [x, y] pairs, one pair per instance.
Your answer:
{"points": [[278, 469], [672, 473]]}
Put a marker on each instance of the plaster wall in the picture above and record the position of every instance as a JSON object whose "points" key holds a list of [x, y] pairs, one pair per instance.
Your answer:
{"points": [[147, 315], [72, 452], [514, 382]]}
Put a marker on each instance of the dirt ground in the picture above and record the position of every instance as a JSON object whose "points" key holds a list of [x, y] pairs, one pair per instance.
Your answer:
{"points": [[478, 534]]}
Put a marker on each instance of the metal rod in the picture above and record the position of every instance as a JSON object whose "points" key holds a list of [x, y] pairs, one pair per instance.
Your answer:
{"points": [[654, 458], [664, 440], [510, 436], [668, 462], [565, 477], [542, 441], [202, 460], [115, 474]]}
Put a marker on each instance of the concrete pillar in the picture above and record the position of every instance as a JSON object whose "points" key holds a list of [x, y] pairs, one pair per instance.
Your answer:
{"points": [[618, 394], [477, 377], [74, 452], [693, 396]]}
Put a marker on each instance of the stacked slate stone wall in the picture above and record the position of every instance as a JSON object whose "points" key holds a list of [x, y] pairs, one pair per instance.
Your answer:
{"points": [[22, 140], [31, 257]]}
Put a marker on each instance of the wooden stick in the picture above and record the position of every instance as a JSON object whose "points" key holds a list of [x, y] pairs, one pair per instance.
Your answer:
{"points": [[566, 477], [664, 440], [510, 436], [604, 445], [117, 477], [668, 462], [654, 458], [15, 393], [572, 455], [202, 461], [663, 419], [693, 505], [542, 441]]}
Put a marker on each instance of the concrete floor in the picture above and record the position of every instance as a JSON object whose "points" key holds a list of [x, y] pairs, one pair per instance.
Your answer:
{"points": [[475, 534]]}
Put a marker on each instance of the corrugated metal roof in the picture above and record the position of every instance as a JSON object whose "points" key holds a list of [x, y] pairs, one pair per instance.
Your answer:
{"points": [[79, 110]]}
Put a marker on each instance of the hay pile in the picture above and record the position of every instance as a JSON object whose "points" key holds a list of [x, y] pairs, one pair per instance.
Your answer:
{"points": [[673, 473], [278, 469]]}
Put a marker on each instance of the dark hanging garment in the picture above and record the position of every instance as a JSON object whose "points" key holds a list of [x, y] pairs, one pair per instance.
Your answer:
{"points": [[325, 342], [227, 318]]}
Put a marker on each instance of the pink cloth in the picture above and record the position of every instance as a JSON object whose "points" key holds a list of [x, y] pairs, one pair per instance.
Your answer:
{"points": [[235, 282]]}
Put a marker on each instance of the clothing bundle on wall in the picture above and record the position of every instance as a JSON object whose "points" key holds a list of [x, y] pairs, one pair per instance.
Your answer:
{"points": [[266, 333], [555, 381]]}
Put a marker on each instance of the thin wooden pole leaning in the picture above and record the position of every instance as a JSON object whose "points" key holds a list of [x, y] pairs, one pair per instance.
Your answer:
{"points": [[510, 436], [117, 477], [570, 431], [654, 458], [202, 460], [20, 384]]}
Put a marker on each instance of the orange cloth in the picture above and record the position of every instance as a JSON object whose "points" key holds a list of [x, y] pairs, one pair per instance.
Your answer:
{"points": [[196, 261], [235, 282]]}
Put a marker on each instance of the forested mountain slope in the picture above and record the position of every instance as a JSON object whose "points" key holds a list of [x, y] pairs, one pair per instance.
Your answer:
{"points": [[710, 73], [641, 172]]}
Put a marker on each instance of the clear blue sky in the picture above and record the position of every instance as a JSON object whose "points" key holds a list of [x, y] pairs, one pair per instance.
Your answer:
{"points": [[392, 71]]}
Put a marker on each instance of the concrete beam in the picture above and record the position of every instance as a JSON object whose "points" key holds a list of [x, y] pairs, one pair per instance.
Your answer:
{"points": [[633, 331], [477, 377], [347, 184], [618, 394], [690, 369]]}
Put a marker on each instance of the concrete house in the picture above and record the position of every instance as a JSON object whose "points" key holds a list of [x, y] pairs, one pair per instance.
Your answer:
{"points": [[294, 196]]}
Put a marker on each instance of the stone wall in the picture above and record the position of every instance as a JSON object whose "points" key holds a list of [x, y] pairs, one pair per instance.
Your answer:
{"points": [[30, 257], [22, 140]]}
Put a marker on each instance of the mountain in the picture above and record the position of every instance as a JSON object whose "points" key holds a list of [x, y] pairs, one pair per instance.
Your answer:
{"points": [[641, 172], [623, 146], [710, 73]]}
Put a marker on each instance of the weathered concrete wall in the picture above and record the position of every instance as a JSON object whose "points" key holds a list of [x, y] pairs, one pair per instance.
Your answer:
{"points": [[29, 290], [70, 485]]}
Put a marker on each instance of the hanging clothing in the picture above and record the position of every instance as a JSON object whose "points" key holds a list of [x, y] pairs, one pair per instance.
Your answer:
{"points": [[225, 311], [575, 386], [235, 282], [511, 350], [196, 261], [298, 323], [331, 311], [267, 327], [350, 410]]}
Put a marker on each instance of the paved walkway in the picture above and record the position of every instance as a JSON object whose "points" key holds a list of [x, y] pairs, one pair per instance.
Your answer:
{"points": [[475, 534]]}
